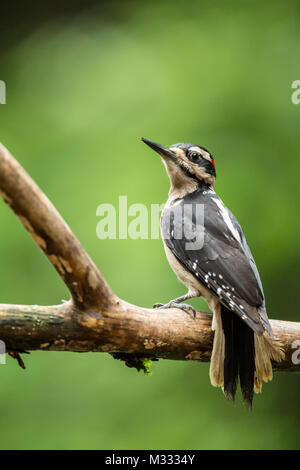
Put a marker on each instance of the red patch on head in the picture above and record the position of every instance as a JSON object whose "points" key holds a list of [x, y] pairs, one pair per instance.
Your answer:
{"points": [[213, 163]]}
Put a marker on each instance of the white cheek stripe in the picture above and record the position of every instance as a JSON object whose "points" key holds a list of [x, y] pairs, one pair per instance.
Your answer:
{"points": [[227, 219]]}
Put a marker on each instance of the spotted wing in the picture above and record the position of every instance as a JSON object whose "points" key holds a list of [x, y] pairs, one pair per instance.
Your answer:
{"points": [[262, 309], [212, 250]]}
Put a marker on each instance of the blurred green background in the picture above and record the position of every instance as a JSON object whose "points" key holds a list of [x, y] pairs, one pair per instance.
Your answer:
{"points": [[82, 89]]}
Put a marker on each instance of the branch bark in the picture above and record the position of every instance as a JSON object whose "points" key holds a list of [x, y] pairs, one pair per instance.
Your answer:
{"points": [[95, 319], [48, 229]]}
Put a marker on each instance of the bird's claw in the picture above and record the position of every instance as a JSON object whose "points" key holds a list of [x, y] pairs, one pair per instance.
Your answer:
{"points": [[187, 308], [158, 305]]}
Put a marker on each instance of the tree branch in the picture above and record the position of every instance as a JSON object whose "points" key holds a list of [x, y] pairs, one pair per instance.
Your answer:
{"points": [[96, 319], [166, 334], [48, 229]]}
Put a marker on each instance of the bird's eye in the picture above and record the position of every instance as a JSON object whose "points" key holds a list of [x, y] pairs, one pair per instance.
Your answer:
{"points": [[194, 156]]}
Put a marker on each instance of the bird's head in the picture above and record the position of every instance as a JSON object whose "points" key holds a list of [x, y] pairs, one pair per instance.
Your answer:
{"points": [[188, 165]]}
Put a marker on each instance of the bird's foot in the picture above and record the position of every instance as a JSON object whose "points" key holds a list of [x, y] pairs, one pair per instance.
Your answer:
{"points": [[172, 304], [188, 309]]}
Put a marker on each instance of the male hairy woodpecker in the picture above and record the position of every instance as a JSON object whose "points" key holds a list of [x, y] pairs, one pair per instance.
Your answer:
{"points": [[220, 268]]}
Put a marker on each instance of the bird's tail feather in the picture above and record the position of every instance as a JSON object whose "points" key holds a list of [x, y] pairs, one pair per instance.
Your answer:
{"points": [[239, 353], [246, 350], [239, 361], [216, 371], [231, 359], [266, 349]]}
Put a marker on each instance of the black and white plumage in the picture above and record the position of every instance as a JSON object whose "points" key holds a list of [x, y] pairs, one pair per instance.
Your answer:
{"points": [[224, 263], [207, 250]]}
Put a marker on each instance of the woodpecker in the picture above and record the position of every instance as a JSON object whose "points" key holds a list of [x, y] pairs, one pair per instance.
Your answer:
{"points": [[210, 256]]}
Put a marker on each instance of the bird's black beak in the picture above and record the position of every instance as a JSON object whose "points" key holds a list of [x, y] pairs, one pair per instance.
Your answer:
{"points": [[163, 151]]}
